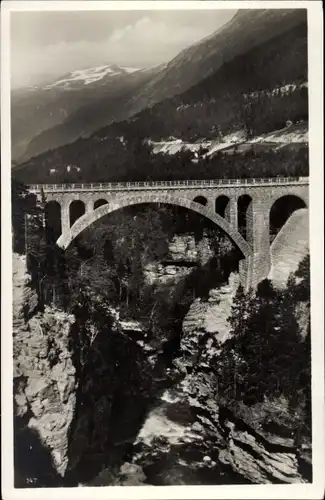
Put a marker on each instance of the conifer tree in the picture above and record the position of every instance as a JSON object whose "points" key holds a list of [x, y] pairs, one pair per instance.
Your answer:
{"points": [[239, 310]]}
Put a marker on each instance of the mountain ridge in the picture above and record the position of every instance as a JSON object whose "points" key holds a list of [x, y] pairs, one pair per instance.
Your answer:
{"points": [[218, 48], [34, 111], [255, 93], [246, 30]]}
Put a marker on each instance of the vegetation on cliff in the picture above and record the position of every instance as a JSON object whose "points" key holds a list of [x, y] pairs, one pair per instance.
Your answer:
{"points": [[106, 265], [269, 353], [266, 358]]}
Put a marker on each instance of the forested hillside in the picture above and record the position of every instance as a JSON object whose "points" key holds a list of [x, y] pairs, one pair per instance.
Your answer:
{"points": [[246, 30], [250, 371], [248, 91], [100, 161], [256, 92]]}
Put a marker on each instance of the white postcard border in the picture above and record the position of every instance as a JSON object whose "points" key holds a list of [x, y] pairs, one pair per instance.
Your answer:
{"points": [[315, 56]]}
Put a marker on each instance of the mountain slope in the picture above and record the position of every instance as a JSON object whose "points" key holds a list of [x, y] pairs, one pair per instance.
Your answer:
{"points": [[98, 102], [89, 76], [247, 29], [255, 93], [35, 111], [260, 89]]}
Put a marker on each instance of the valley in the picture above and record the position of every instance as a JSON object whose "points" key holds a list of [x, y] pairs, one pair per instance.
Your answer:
{"points": [[161, 267], [199, 94], [143, 287]]}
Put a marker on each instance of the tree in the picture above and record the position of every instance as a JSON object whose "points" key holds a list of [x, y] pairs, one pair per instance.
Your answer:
{"points": [[265, 356], [239, 312], [26, 214]]}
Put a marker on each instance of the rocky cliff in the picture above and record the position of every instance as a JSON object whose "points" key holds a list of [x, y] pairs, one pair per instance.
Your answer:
{"points": [[143, 416], [184, 254], [210, 316], [44, 378], [261, 443], [258, 443], [190, 437]]}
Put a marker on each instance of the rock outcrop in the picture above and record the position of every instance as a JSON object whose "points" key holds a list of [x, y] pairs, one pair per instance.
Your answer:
{"points": [[190, 438], [44, 373], [244, 440], [262, 458], [185, 248], [184, 254], [209, 318], [165, 274]]}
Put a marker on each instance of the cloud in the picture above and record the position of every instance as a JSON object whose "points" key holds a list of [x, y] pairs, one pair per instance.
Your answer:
{"points": [[147, 41], [156, 33]]}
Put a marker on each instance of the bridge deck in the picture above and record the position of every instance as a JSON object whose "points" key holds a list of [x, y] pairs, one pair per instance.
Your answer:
{"points": [[128, 186]]}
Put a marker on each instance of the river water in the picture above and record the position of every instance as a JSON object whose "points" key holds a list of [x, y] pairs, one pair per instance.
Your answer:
{"points": [[178, 442], [173, 447]]}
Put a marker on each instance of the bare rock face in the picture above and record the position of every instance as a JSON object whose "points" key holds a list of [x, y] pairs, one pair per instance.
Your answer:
{"points": [[258, 458], [184, 254], [256, 454], [164, 275], [24, 299], [47, 395], [44, 374], [206, 324], [185, 248]]}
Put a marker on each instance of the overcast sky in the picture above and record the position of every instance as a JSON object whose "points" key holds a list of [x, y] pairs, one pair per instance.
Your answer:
{"points": [[50, 44]]}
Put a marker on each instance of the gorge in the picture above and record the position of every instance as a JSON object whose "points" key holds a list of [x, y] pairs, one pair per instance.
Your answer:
{"points": [[160, 251], [132, 357]]}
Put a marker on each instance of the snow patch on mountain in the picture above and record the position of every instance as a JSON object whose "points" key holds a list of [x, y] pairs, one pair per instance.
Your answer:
{"points": [[130, 70], [91, 75]]}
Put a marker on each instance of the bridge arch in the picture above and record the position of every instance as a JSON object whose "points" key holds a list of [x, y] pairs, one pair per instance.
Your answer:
{"points": [[222, 205], [201, 200], [77, 209], [245, 216], [98, 203], [53, 219], [281, 209], [89, 218]]}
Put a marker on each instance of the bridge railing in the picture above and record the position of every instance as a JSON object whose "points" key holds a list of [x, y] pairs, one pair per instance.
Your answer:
{"points": [[106, 186]]}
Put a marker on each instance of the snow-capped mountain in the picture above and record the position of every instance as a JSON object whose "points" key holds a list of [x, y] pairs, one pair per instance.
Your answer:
{"points": [[236, 65], [201, 76], [89, 76], [95, 94]]}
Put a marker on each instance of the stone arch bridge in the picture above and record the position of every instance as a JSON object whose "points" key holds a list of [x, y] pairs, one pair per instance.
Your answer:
{"points": [[242, 208]]}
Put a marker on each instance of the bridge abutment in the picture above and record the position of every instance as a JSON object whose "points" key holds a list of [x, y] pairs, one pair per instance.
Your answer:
{"points": [[260, 264], [65, 217], [231, 213], [89, 205]]}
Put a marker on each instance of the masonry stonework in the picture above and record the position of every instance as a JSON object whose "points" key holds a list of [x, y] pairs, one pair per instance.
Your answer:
{"points": [[263, 193]]}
